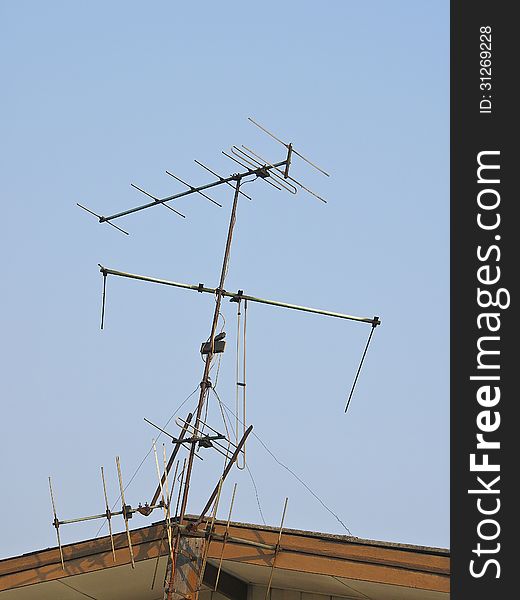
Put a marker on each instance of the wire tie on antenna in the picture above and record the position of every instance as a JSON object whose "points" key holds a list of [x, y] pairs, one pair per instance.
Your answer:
{"points": [[237, 297], [200, 288]]}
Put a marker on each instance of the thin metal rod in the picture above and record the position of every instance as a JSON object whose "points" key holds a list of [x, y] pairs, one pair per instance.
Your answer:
{"points": [[157, 560], [241, 380], [281, 522], [168, 502], [220, 177], [280, 180], [123, 511], [103, 515], [192, 188], [88, 210], [217, 446], [175, 211], [89, 518], [108, 514], [56, 524], [287, 146], [202, 288], [237, 387], [288, 161], [244, 415], [245, 167], [180, 489], [157, 200], [192, 440], [214, 439], [288, 176], [136, 187], [311, 163], [226, 533], [172, 458], [268, 132], [103, 300], [276, 551], [235, 177], [224, 475], [170, 565], [221, 450], [359, 368], [165, 502], [101, 218], [309, 191], [204, 424], [208, 538], [173, 481]]}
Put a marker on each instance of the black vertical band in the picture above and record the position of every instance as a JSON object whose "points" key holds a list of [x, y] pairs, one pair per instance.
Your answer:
{"points": [[483, 251]]}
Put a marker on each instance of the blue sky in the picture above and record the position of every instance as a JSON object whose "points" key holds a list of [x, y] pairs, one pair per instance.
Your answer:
{"points": [[99, 95]]}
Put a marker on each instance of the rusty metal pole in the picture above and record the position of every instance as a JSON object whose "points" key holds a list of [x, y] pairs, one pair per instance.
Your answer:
{"points": [[205, 383]]}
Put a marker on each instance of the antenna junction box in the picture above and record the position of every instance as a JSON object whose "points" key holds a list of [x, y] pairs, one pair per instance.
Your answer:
{"points": [[218, 347]]}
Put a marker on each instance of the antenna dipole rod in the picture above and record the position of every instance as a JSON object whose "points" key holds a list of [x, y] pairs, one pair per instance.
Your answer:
{"points": [[108, 514], [288, 146], [123, 511], [56, 524], [224, 475], [205, 384], [225, 538], [237, 296], [236, 177], [172, 459], [277, 548]]}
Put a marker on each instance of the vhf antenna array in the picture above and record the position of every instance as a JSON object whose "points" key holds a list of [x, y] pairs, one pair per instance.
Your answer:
{"points": [[192, 435], [275, 174]]}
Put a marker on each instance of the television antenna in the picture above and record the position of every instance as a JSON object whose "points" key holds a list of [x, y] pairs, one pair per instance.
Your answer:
{"points": [[184, 535]]}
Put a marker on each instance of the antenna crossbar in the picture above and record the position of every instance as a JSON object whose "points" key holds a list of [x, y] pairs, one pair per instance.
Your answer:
{"points": [[127, 511], [374, 321], [192, 190], [191, 440]]}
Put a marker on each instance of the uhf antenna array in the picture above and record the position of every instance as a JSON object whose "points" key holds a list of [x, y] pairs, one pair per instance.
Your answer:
{"points": [[199, 434]]}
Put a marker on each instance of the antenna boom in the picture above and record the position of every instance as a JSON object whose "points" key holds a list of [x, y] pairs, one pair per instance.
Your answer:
{"points": [[237, 295]]}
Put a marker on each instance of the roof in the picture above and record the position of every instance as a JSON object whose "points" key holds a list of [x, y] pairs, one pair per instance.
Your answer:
{"points": [[308, 562]]}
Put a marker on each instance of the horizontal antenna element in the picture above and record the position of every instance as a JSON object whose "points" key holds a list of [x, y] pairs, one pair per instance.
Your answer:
{"points": [[240, 295], [221, 178], [193, 189], [157, 200], [288, 146], [101, 219]]}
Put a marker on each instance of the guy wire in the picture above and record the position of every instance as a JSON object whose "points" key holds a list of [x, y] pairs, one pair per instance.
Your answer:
{"points": [[294, 475], [246, 465]]}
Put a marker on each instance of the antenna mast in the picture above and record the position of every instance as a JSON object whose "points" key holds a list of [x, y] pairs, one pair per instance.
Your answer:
{"points": [[205, 384]]}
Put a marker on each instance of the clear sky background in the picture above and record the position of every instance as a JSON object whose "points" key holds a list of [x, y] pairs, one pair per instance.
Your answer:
{"points": [[97, 95]]}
